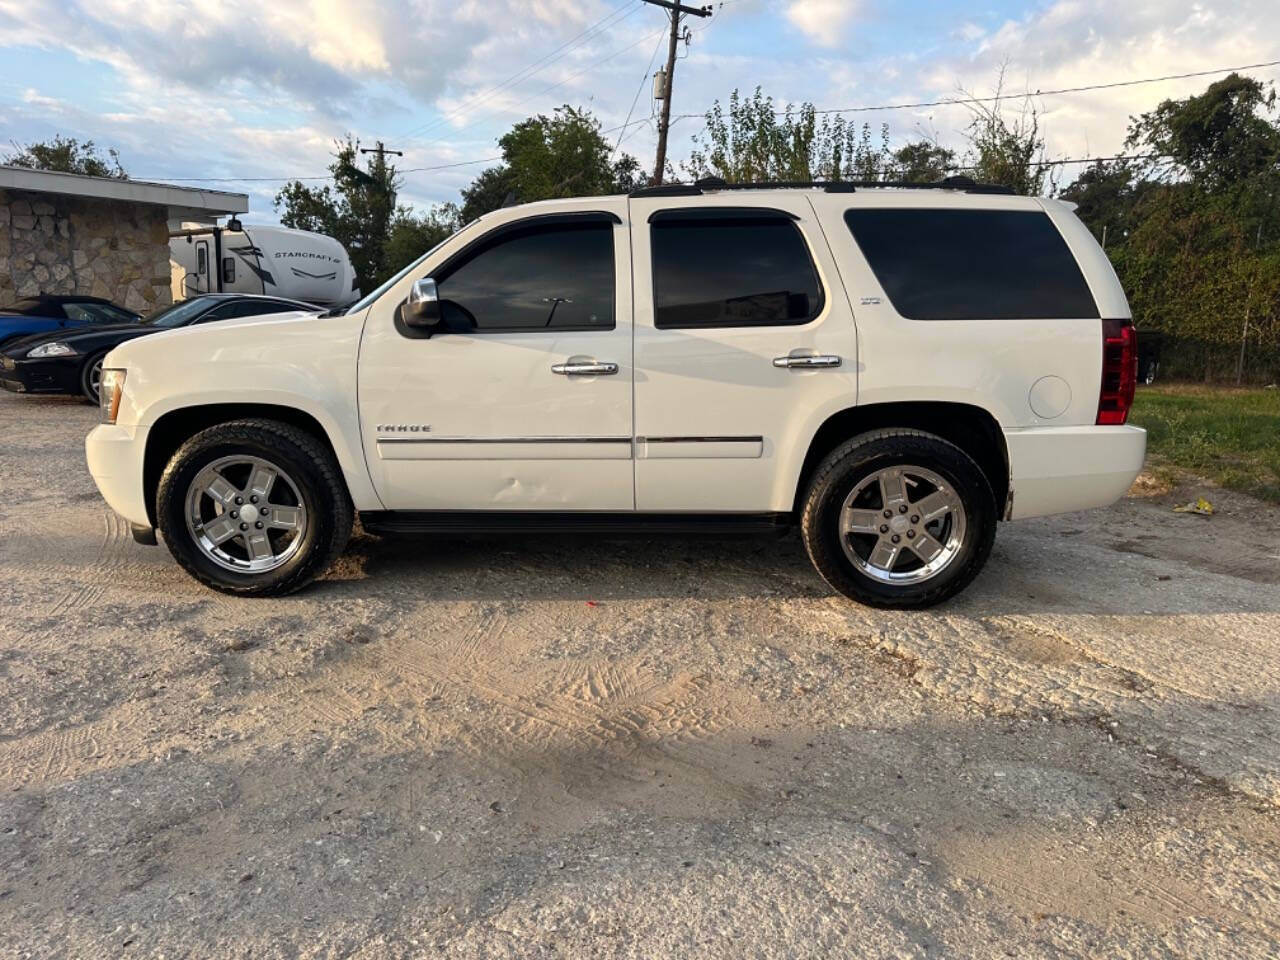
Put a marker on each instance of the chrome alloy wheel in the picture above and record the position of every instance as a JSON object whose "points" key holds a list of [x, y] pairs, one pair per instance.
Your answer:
{"points": [[245, 514], [902, 525], [95, 378]]}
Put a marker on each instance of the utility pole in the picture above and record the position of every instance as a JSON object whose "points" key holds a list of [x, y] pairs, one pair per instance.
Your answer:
{"points": [[1248, 303], [382, 152], [664, 122]]}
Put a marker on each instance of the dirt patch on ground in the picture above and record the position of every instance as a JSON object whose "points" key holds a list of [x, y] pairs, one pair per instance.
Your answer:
{"points": [[644, 748]]}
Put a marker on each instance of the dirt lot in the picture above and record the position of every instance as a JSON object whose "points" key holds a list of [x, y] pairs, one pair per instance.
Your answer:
{"points": [[648, 749]]}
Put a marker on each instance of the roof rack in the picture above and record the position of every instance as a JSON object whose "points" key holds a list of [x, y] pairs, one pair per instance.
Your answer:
{"points": [[698, 187]]}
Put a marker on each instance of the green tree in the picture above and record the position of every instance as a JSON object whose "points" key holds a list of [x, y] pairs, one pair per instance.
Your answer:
{"points": [[358, 210], [413, 235], [487, 192], [544, 158], [67, 155], [1005, 147], [1105, 195], [1216, 140], [922, 161], [753, 141], [1191, 228]]}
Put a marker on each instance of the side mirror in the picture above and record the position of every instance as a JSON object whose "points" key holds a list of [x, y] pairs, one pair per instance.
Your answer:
{"points": [[422, 309]]}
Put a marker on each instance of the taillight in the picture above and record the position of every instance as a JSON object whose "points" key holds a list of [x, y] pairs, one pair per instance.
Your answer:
{"points": [[1119, 371]]}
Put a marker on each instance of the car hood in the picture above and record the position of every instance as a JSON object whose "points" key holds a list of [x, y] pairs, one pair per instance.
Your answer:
{"points": [[226, 331]]}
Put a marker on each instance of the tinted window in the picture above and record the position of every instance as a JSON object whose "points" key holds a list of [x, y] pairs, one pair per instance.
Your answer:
{"points": [[246, 308], [97, 313], [733, 272], [972, 264], [182, 312], [549, 277]]}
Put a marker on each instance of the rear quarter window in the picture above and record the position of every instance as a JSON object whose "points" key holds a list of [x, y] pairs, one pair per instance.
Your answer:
{"points": [[972, 264]]}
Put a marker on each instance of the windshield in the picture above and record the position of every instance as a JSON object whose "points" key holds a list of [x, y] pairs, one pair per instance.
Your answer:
{"points": [[368, 299], [97, 313], [180, 313]]}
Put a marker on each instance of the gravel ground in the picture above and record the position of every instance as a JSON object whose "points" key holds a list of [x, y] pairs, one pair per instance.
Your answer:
{"points": [[637, 749]]}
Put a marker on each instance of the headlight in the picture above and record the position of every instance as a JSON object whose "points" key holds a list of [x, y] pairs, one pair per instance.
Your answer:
{"points": [[110, 390], [55, 349]]}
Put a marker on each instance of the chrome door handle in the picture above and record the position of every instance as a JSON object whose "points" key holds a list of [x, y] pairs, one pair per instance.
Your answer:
{"points": [[821, 360], [585, 369]]}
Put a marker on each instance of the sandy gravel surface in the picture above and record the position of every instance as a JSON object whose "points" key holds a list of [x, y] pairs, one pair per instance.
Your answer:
{"points": [[638, 749]]}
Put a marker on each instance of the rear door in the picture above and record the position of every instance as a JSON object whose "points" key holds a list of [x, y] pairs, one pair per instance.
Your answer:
{"points": [[743, 337]]}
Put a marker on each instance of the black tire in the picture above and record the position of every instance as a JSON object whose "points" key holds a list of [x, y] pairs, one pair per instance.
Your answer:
{"points": [[87, 387], [314, 472], [854, 461]]}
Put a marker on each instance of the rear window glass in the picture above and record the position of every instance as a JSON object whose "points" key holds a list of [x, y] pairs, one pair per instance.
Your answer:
{"points": [[732, 272], [972, 264]]}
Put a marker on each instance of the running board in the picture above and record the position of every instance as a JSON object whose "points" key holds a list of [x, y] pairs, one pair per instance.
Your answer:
{"points": [[464, 523]]}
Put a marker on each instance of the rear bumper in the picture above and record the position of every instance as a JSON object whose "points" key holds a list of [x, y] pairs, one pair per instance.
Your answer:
{"points": [[1061, 469], [115, 456]]}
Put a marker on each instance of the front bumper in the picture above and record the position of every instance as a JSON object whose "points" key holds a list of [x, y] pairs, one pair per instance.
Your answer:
{"points": [[51, 375], [115, 456], [1062, 469]]}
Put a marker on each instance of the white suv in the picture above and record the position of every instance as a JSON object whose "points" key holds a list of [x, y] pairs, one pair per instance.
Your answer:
{"points": [[892, 370]]}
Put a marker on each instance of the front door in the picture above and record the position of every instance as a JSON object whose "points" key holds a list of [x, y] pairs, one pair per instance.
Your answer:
{"points": [[203, 268], [745, 341], [524, 402]]}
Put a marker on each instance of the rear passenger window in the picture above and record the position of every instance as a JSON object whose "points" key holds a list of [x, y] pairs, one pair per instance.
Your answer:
{"points": [[738, 271], [972, 264]]}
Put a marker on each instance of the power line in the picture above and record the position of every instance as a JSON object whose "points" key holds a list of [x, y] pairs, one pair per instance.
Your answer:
{"points": [[1036, 93], [560, 83], [685, 116], [608, 20], [1131, 156], [327, 176], [676, 10], [636, 99]]}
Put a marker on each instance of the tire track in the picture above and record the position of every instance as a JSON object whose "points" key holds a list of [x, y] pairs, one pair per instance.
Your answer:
{"points": [[107, 564]]}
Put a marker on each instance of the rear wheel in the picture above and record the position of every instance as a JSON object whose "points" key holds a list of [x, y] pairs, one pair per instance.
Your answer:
{"points": [[899, 518], [254, 507], [91, 377]]}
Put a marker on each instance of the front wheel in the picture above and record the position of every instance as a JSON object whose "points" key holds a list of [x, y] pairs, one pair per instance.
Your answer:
{"points": [[254, 507], [91, 377], [899, 518]]}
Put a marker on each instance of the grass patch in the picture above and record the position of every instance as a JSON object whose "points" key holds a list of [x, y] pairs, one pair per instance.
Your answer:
{"points": [[1230, 436]]}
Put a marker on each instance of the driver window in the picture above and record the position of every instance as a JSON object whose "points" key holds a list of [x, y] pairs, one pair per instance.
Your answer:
{"points": [[547, 277]]}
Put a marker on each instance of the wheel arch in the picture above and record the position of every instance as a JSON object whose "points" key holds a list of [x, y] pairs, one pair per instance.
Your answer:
{"points": [[177, 426], [971, 428]]}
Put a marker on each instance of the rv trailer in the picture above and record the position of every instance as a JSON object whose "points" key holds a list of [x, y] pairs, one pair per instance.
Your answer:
{"points": [[244, 258]]}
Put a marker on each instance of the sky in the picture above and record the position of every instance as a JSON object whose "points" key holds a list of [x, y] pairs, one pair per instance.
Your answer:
{"points": [[254, 89]]}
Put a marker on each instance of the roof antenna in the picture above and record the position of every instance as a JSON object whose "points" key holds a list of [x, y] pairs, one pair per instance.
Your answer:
{"points": [[510, 200]]}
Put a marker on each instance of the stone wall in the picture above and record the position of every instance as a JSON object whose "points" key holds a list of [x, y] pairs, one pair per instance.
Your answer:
{"points": [[105, 248]]}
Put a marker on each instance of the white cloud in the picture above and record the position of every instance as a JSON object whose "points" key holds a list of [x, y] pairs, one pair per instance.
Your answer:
{"points": [[823, 21], [246, 88], [1075, 43]]}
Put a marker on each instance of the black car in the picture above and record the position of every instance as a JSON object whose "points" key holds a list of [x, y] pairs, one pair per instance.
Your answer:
{"points": [[70, 361], [53, 313]]}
